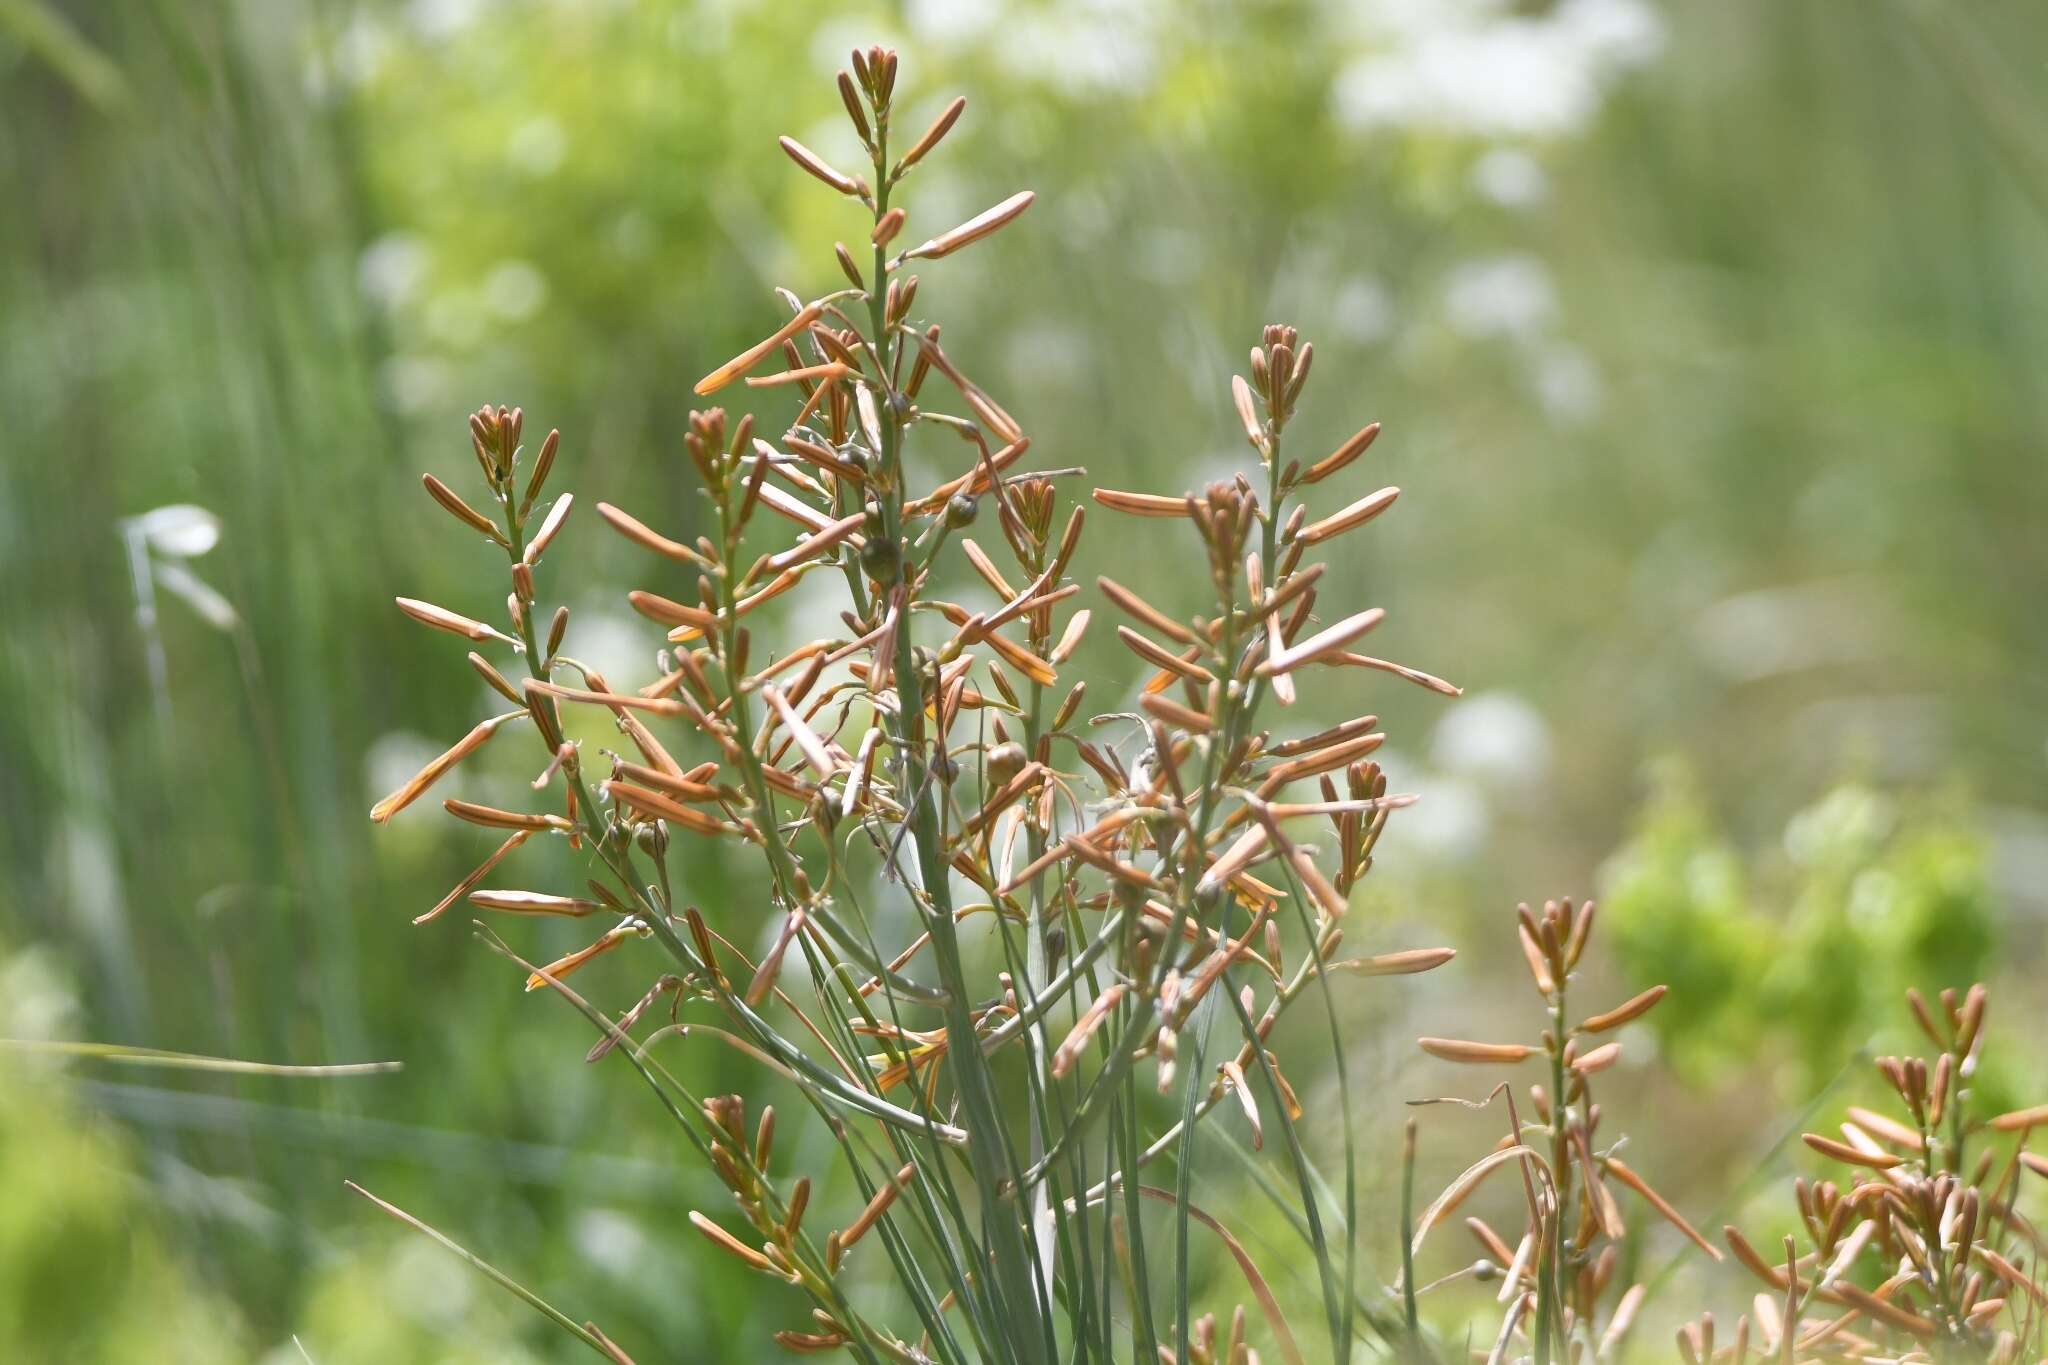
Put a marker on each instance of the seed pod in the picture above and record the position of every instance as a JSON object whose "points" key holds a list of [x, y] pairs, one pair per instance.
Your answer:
{"points": [[882, 560]]}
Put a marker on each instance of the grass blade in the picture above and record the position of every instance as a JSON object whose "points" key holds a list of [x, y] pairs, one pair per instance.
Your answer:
{"points": [[587, 1336], [190, 1061]]}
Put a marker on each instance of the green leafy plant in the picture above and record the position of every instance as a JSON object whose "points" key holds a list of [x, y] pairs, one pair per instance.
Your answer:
{"points": [[1018, 955], [1866, 892]]}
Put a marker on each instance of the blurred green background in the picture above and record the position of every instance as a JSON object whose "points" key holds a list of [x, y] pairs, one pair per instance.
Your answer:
{"points": [[1708, 339]]}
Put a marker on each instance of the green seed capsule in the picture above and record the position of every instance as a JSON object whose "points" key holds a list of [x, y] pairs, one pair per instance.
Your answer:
{"points": [[882, 559]]}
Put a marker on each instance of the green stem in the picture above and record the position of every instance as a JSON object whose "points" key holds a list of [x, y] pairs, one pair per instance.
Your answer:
{"points": [[1021, 1299], [1550, 1276]]}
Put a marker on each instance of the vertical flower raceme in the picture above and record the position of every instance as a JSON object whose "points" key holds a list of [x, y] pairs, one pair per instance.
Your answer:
{"points": [[1014, 957]]}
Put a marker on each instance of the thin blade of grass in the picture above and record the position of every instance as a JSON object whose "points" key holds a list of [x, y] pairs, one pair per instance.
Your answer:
{"points": [[189, 1061], [496, 1276]]}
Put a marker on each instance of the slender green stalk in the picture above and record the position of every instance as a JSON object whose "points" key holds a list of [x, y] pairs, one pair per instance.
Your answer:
{"points": [[189, 1061], [496, 1276]]}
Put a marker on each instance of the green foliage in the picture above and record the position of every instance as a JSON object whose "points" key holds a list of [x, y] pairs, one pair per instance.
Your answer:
{"points": [[89, 1274], [1805, 944]]}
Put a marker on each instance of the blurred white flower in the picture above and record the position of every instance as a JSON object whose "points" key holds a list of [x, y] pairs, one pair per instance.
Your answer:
{"points": [[1448, 823], [1171, 255], [617, 645], [632, 234], [1567, 384], [1362, 310], [36, 997], [428, 1285], [538, 145], [179, 581], [391, 269], [1503, 296], [417, 383], [1846, 823], [1757, 634], [1083, 47], [952, 22], [180, 530], [360, 48], [1873, 896], [1047, 353], [1511, 178], [1494, 736], [455, 318], [443, 18], [1477, 68], [515, 290], [610, 1240]]}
